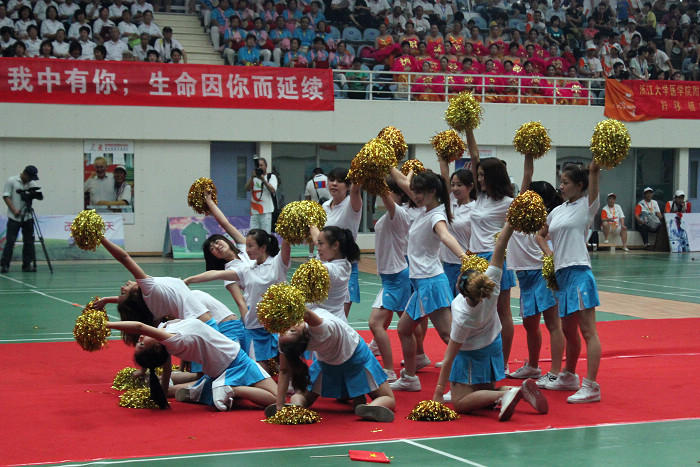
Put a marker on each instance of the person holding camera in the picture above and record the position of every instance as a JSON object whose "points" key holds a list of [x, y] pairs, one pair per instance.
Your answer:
{"points": [[20, 190], [263, 188]]}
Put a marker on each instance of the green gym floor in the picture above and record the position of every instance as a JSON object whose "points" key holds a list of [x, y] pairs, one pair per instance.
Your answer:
{"points": [[635, 285]]}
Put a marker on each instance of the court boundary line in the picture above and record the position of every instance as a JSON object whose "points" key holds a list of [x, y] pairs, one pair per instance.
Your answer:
{"points": [[358, 443], [442, 453]]}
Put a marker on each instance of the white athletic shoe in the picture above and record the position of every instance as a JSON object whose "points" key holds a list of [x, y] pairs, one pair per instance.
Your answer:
{"points": [[406, 383], [526, 371], [438, 364], [447, 397], [589, 392], [534, 397], [191, 393], [508, 402], [422, 360], [390, 375], [223, 397], [546, 378], [373, 348], [565, 382]]}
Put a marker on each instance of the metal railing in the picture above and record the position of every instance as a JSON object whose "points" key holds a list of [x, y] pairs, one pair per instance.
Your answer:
{"points": [[512, 89]]}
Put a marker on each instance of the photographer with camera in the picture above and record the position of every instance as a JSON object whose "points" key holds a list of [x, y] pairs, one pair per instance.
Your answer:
{"points": [[20, 190], [263, 202]]}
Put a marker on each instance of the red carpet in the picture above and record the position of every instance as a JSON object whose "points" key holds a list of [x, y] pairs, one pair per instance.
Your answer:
{"points": [[58, 405]]}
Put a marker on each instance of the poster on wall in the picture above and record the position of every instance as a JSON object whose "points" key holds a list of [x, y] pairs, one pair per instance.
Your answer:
{"points": [[466, 161], [683, 231], [108, 177], [184, 236]]}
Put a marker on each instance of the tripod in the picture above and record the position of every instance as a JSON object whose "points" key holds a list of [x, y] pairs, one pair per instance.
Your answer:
{"points": [[27, 213]]}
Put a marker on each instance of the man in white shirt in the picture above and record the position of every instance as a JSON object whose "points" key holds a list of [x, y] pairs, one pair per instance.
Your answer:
{"points": [[262, 187], [115, 47], [18, 217], [555, 10], [66, 10], [99, 187], [648, 215], [4, 19], [116, 10], [420, 22], [659, 63], [40, 9], [612, 219], [166, 44], [149, 26], [317, 190]]}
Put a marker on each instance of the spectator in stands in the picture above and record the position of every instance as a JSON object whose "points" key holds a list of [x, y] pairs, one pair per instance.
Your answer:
{"points": [[639, 67], [74, 51], [220, 17], [280, 37], [40, 7], [406, 7], [60, 45], [234, 39], [33, 42], [78, 22], [25, 20], [87, 46], [318, 55], [396, 21], [305, 34], [116, 11], [128, 31], [555, 10], [443, 13], [631, 49], [339, 12], [138, 8], [573, 26], [166, 44], [5, 21], [295, 58], [101, 26], [100, 52], [646, 20], [555, 33], [269, 14], [356, 81], [689, 17], [45, 49], [292, 15], [629, 33], [678, 204], [647, 215], [149, 26], [612, 58], [245, 14], [152, 56], [6, 40], [537, 23], [613, 221], [249, 54], [114, 46], [141, 50], [379, 9], [673, 39], [660, 66], [51, 24], [589, 66], [315, 13], [411, 38], [604, 17], [673, 12], [421, 24], [19, 50], [342, 58], [92, 10]]}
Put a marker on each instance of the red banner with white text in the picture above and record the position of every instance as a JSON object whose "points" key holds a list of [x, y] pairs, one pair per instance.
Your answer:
{"points": [[633, 100], [48, 81]]}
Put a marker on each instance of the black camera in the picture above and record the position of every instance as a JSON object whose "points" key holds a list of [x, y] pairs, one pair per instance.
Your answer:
{"points": [[258, 172], [30, 194]]}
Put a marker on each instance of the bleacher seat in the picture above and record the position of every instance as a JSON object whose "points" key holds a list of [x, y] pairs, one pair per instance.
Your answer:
{"points": [[338, 92], [352, 34], [480, 22], [335, 33], [370, 35], [516, 23], [268, 63]]}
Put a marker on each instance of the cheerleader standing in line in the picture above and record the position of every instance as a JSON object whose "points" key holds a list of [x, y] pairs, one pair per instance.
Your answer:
{"points": [[432, 295], [344, 367], [473, 361], [525, 258], [487, 218], [391, 243], [577, 297], [344, 210], [230, 373], [267, 267]]}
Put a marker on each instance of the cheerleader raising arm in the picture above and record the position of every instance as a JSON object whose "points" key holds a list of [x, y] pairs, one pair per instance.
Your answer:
{"points": [[123, 257], [235, 234]]}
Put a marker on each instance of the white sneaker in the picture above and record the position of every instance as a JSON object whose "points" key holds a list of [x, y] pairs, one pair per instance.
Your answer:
{"points": [[589, 392], [534, 397], [191, 393], [422, 360], [390, 375], [546, 378], [447, 397], [565, 382], [525, 372], [606, 241], [625, 249], [438, 364], [223, 397], [508, 402], [373, 347], [406, 383]]}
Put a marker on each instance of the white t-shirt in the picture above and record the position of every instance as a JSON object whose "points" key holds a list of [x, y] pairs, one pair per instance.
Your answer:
{"points": [[334, 341], [476, 327], [129, 28], [342, 215], [115, 50], [170, 296], [612, 214], [317, 186], [195, 341], [391, 241], [339, 272], [218, 310], [487, 219], [60, 48], [461, 229], [164, 49], [261, 199], [99, 24], [153, 30], [241, 261], [13, 184], [568, 228], [524, 254], [50, 27], [424, 244], [88, 52], [100, 189], [255, 279], [74, 31]]}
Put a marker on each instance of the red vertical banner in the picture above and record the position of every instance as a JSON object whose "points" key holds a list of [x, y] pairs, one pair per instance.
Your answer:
{"points": [[164, 85]]}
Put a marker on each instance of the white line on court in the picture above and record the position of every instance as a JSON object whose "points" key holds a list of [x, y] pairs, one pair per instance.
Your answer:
{"points": [[442, 453], [18, 281], [675, 294], [651, 285]]}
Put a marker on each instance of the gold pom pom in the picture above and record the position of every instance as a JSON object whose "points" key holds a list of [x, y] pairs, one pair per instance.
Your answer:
{"points": [[124, 380], [293, 415], [371, 166], [472, 261], [532, 139], [610, 143], [91, 331], [432, 411], [281, 307], [464, 112], [412, 164], [137, 399], [196, 198], [313, 280], [527, 213], [548, 272], [159, 370], [87, 230], [394, 138], [296, 217], [448, 145]]}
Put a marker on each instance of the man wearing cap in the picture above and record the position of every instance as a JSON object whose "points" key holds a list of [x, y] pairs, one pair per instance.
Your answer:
{"points": [[678, 204], [18, 217], [99, 187], [648, 215], [613, 220]]}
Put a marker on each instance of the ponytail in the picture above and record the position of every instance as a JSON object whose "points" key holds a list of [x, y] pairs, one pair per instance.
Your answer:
{"points": [[293, 352], [428, 181], [263, 238], [346, 242], [152, 358], [475, 285], [134, 308]]}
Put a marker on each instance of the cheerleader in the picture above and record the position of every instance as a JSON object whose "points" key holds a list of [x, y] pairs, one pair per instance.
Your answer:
{"points": [[567, 225], [229, 372], [344, 210], [473, 361], [343, 368], [487, 218], [525, 258], [266, 267], [336, 250], [391, 243], [432, 294]]}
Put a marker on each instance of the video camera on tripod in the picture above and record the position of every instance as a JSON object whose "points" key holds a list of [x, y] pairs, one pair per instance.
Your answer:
{"points": [[30, 194]]}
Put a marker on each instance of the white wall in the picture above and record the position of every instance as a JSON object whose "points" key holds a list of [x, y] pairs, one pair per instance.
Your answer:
{"points": [[172, 145]]}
